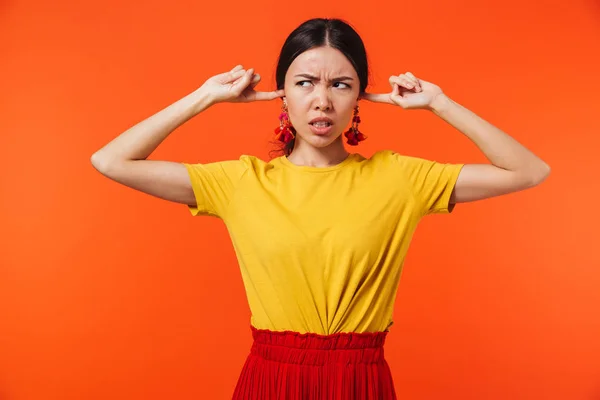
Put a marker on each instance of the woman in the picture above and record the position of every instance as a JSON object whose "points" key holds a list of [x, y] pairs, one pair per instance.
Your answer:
{"points": [[320, 233]]}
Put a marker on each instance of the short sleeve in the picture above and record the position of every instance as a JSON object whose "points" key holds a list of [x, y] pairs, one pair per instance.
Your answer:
{"points": [[432, 182], [214, 185]]}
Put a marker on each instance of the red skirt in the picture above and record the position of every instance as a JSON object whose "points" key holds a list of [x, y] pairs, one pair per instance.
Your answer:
{"points": [[290, 365]]}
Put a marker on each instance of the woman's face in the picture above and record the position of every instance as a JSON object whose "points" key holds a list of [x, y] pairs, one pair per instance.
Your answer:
{"points": [[321, 82]]}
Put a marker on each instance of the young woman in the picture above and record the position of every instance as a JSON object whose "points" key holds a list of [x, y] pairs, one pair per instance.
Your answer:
{"points": [[320, 233]]}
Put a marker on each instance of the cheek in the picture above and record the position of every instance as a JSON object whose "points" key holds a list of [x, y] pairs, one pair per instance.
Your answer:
{"points": [[298, 106], [348, 107]]}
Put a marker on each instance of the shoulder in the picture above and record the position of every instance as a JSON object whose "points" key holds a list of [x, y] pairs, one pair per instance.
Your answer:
{"points": [[408, 166], [258, 167], [383, 156], [254, 163], [404, 161], [244, 164], [389, 158], [231, 169]]}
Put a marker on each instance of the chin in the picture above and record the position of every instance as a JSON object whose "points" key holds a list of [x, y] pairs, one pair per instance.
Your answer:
{"points": [[318, 140]]}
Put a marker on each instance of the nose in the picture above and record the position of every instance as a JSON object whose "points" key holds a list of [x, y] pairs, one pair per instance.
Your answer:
{"points": [[322, 100]]}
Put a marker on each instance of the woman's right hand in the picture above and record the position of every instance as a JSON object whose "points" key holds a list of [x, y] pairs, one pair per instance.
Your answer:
{"points": [[236, 86]]}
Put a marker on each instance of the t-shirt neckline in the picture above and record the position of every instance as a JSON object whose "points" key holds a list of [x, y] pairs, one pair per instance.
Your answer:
{"points": [[306, 168]]}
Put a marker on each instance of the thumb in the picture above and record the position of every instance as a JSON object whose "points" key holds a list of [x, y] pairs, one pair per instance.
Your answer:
{"points": [[400, 100], [396, 96]]}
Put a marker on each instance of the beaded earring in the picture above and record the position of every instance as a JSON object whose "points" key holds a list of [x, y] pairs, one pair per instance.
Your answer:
{"points": [[284, 132], [353, 135]]}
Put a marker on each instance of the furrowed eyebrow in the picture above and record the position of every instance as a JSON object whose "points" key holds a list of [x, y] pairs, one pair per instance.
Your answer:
{"points": [[341, 78]]}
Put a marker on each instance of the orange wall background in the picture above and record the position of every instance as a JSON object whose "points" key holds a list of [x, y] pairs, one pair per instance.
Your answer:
{"points": [[107, 293]]}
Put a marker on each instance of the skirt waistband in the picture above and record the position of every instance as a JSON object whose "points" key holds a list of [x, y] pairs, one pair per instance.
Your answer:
{"points": [[314, 349]]}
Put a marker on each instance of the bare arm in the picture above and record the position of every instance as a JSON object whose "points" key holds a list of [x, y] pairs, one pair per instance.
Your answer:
{"points": [[513, 167], [124, 158]]}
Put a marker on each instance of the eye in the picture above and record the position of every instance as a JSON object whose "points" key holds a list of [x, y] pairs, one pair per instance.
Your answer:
{"points": [[347, 86]]}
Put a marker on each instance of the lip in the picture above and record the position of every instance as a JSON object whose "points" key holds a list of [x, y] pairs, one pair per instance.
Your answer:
{"points": [[321, 131], [321, 119]]}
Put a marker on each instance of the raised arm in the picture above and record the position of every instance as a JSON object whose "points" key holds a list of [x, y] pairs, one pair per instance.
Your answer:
{"points": [[124, 158], [512, 166]]}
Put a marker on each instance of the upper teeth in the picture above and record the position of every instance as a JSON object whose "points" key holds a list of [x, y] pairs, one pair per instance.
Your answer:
{"points": [[321, 123]]}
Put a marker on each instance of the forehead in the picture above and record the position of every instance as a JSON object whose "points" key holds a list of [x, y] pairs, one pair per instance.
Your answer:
{"points": [[322, 61]]}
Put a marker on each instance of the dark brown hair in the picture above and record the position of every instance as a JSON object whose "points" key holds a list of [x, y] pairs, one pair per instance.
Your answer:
{"points": [[319, 32]]}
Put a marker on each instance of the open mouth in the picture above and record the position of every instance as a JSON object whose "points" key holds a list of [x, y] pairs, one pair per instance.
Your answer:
{"points": [[321, 128]]}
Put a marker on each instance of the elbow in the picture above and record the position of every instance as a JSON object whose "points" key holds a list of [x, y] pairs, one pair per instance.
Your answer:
{"points": [[96, 162], [539, 175], [100, 163]]}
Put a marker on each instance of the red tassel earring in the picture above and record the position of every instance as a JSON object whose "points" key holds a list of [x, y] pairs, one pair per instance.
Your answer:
{"points": [[284, 132], [353, 135]]}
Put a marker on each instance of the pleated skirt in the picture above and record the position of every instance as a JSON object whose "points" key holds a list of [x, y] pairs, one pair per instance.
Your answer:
{"points": [[290, 365]]}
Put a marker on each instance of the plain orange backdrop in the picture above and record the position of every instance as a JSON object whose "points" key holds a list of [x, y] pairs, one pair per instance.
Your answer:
{"points": [[107, 293]]}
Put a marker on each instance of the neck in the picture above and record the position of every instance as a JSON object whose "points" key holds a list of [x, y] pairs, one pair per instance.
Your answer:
{"points": [[305, 154]]}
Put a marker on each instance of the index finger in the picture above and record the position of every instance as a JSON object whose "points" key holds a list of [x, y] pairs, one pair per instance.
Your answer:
{"points": [[262, 96], [378, 97]]}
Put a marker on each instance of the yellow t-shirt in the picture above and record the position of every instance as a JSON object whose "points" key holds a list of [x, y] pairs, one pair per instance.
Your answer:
{"points": [[321, 249]]}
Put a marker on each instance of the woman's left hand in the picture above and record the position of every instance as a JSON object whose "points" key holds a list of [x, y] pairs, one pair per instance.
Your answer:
{"points": [[408, 92]]}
